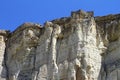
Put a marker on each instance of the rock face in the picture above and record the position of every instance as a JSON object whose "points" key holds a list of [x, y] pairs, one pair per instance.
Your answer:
{"points": [[3, 38], [79, 47]]}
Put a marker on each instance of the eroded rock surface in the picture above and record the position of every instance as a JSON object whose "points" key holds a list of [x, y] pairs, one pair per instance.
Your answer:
{"points": [[79, 47]]}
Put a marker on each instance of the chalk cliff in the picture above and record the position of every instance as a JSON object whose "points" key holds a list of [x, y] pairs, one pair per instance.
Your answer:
{"points": [[79, 47]]}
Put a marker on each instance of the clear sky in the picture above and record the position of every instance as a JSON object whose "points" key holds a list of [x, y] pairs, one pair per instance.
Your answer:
{"points": [[15, 12]]}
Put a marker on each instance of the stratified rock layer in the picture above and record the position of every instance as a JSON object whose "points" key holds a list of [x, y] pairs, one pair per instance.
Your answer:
{"points": [[79, 47]]}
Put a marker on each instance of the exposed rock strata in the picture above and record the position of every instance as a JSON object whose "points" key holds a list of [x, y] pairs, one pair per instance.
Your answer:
{"points": [[79, 47]]}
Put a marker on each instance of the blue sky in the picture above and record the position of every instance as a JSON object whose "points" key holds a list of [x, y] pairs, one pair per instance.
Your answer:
{"points": [[15, 12]]}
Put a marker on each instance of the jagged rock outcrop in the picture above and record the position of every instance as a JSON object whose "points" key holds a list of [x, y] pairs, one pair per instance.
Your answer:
{"points": [[79, 47]]}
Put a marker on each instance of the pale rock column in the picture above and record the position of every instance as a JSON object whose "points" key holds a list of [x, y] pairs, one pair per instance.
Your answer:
{"points": [[71, 72], [52, 66], [3, 37]]}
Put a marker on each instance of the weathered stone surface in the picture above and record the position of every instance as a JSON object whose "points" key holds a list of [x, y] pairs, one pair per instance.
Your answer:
{"points": [[79, 47], [109, 28], [3, 38]]}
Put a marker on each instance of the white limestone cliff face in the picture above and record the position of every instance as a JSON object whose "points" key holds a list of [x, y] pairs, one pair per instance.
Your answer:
{"points": [[110, 32], [3, 38], [80, 47]]}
